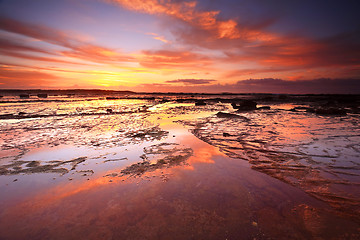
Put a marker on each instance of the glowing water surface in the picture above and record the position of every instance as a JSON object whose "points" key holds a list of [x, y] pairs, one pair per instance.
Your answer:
{"points": [[62, 177]]}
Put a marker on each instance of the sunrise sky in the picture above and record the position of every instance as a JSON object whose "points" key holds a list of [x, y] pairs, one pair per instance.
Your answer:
{"points": [[191, 46]]}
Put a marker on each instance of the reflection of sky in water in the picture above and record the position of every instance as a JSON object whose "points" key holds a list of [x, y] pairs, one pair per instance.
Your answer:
{"points": [[209, 192], [318, 154]]}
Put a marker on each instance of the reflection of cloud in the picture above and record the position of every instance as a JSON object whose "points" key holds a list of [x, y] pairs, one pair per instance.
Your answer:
{"points": [[191, 81]]}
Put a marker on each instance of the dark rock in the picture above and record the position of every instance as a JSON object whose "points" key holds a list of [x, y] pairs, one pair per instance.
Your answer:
{"points": [[200, 103], [164, 101], [230, 115], [302, 109], [109, 110], [143, 108], [42, 95], [245, 105], [264, 108], [24, 96], [283, 97], [330, 111], [311, 110], [226, 134], [355, 110], [268, 98], [6, 116], [112, 98]]}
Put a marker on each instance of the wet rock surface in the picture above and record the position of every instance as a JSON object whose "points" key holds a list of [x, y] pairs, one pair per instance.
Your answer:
{"points": [[29, 167], [317, 154], [155, 157], [245, 105], [135, 172]]}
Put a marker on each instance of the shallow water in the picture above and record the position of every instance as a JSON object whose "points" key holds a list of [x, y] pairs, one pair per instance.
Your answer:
{"points": [[151, 170], [320, 155]]}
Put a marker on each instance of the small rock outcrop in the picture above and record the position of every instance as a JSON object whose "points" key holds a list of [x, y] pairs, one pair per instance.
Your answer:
{"points": [[230, 115], [331, 111], [24, 96], [200, 103], [245, 105], [42, 95]]}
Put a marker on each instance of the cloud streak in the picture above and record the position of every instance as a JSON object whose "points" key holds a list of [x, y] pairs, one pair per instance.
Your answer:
{"points": [[243, 42], [192, 81], [174, 59], [10, 78], [187, 11], [76, 47], [207, 42]]}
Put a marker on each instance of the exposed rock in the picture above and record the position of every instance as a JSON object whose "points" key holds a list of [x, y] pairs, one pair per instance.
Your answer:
{"points": [[29, 167], [283, 97], [302, 109], [112, 98], [24, 96], [264, 108], [172, 155], [149, 134], [311, 110], [180, 100], [245, 105], [164, 100], [200, 103], [42, 95], [230, 115], [330, 111]]}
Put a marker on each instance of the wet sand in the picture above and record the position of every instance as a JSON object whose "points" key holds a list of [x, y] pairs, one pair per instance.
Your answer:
{"points": [[171, 173]]}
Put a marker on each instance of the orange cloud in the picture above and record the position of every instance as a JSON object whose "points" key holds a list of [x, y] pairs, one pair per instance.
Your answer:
{"points": [[187, 12], [77, 47], [173, 59], [13, 77], [15, 45], [97, 54], [31, 57], [160, 38]]}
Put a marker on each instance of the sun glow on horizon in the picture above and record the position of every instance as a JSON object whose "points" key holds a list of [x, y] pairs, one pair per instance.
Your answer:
{"points": [[185, 40]]}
